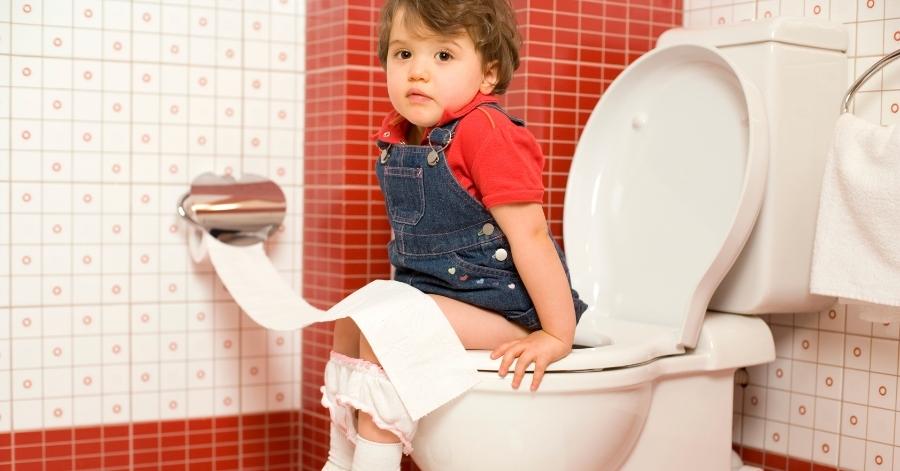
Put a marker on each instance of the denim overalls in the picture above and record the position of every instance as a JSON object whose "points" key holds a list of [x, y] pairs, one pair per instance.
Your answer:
{"points": [[445, 241]]}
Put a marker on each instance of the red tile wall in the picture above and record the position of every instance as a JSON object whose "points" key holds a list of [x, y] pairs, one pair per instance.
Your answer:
{"points": [[573, 50], [256, 441]]}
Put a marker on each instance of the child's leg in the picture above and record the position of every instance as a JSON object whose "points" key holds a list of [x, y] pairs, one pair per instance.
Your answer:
{"points": [[366, 426], [378, 449], [477, 329], [341, 449], [346, 337]]}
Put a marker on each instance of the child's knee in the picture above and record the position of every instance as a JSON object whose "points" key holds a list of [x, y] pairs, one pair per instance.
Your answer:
{"points": [[365, 351], [346, 337]]}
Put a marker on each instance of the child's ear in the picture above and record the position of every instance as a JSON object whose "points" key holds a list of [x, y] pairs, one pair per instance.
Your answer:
{"points": [[490, 78]]}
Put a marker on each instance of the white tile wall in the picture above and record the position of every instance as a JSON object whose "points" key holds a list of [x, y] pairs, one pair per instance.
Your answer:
{"points": [[108, 109], [843, 382]]}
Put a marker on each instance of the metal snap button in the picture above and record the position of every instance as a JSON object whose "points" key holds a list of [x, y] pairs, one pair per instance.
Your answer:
{"points": [[433, 158], [487, 229], [501, 254]]}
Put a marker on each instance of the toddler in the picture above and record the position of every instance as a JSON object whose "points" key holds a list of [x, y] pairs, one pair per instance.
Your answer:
{"points": [[463, 188]]}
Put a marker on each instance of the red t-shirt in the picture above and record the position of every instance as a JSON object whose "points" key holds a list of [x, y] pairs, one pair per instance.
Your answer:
{"points": [[492, 158]]}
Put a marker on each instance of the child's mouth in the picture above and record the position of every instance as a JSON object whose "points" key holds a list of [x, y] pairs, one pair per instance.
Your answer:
{"points": [[416, 96]]}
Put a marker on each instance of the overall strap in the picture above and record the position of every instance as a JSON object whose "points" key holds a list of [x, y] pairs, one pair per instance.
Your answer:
{"points": [[516, 120], [440, 137]]}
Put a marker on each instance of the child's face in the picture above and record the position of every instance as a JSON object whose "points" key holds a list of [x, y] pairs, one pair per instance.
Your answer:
{"points": [[428, 74]]}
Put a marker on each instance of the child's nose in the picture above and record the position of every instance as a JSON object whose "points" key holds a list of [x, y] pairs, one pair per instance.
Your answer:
{"points": [[418, 71]]}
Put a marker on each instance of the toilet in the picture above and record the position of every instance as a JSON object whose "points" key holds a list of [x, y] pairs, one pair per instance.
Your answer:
{"points": [[690, 207]]}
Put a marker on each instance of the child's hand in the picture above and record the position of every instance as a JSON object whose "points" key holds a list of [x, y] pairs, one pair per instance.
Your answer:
{"points": [[539, 348]]}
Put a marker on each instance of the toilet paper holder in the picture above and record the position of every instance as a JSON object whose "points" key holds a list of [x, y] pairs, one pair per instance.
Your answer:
{"points": [[237, 212]]}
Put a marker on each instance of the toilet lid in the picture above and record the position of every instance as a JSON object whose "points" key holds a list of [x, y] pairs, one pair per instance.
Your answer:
{"points": [[664, 188]]}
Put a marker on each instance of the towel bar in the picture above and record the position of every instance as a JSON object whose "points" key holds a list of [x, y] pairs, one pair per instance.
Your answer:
{"points": [[848, 97]]}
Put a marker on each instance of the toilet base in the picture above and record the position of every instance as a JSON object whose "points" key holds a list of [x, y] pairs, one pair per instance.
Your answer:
{"points": [[738, 465], [688, 426]]}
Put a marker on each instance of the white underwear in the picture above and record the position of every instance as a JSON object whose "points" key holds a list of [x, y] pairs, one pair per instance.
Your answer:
{"points": [[355, 384]]}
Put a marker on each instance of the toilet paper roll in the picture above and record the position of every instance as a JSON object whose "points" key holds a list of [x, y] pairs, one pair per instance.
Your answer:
{"points": [[413, 340], [196, 244]]}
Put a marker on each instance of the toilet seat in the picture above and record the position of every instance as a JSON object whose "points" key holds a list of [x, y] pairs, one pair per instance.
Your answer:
{"points": [[665, 186], [727, 341], [626, 344]]}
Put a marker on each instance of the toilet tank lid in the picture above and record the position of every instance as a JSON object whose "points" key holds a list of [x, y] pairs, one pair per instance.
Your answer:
{"points": [[807, 32]]}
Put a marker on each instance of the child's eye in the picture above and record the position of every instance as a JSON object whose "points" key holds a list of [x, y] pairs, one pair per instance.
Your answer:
{"points": [[443, 56], [403, 54]]}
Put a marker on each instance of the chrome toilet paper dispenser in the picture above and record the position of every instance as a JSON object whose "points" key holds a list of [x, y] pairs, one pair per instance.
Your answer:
{"points": [[237, 212]]}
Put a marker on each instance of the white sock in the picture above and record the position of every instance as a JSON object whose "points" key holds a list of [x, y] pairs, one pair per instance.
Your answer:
{"points": [[340, 452], [372, 456]]}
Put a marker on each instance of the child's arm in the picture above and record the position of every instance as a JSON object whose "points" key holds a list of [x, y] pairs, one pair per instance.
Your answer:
{"points": [[542, 272]]}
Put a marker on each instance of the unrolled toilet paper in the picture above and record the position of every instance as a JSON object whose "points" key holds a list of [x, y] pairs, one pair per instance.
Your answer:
{"points": [[409, 334], [258, 288]]}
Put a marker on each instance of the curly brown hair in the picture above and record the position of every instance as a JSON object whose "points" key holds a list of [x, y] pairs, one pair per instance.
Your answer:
{"points": [[490, 23]]}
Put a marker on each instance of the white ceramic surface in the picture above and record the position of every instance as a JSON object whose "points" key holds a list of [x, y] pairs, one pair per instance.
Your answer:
{"points": [[665, 186], [800, 67]]}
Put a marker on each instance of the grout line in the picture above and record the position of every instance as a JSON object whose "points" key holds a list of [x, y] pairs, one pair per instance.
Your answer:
{"points": [[9, 228], [70, 244], [840, 401], [187, 169], [241, 317], [9, 219], [130, 291], [43, 141]]}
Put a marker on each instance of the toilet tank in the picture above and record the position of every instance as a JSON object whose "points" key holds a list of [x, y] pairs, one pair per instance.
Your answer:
{"points": [[800, 67]]}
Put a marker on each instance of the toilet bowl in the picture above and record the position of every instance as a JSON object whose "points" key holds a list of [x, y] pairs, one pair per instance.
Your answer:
{"points": [[691, 202]]}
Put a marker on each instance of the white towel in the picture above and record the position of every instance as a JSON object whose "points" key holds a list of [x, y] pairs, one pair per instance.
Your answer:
{"points": [[857, 245]]}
